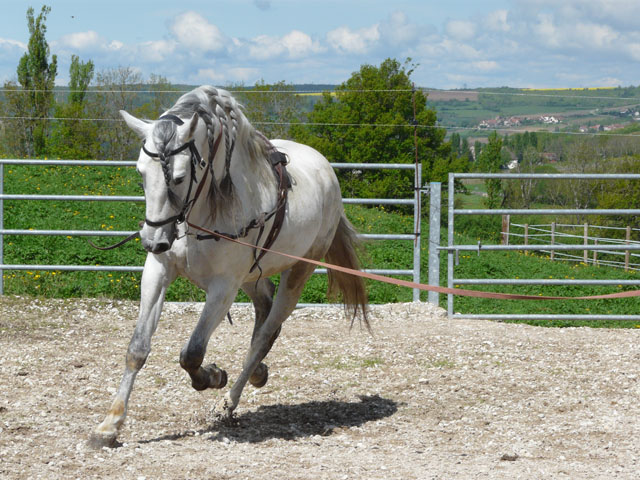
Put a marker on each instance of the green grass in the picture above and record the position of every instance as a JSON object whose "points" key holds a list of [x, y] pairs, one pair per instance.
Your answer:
{"points": [[520, 265], [378, 254], [63, 250]]}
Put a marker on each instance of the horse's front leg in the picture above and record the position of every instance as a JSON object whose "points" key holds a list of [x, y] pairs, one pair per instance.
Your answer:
{"points": [[155, 280], [220, 295]]}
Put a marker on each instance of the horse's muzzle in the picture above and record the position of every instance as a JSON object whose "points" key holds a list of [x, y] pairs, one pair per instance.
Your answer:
{"points": [[157, 240]]}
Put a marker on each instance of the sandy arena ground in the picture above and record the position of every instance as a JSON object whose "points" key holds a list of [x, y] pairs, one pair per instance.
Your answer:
{"points": [[421, 398]]}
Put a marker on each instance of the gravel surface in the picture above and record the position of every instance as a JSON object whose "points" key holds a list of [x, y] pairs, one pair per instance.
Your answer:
{"points": [[421, 398]]}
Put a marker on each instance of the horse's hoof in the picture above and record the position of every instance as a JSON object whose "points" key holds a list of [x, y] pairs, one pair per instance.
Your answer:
{"points": [[99, 440], [259, 376], [223, 411], [209, 377], [223, 379], [217, 376]]}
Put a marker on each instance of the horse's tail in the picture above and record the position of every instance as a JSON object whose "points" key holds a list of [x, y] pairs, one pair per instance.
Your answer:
{"points": [[343, 252]]}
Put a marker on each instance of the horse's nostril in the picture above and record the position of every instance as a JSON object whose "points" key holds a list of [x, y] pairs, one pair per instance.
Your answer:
{"points": [[161, 247]]}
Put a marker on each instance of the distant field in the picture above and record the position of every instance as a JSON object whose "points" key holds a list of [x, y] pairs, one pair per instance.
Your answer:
{"points": [[448, 95], [565, 89]]}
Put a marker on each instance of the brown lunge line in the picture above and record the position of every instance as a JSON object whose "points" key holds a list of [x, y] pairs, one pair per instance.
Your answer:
{"points": [[405, 283]]}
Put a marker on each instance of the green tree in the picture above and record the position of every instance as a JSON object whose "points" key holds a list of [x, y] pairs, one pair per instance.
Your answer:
{"points": [[490, 161], [36, 75], [523, 192], [368, 119], [162, 97], [15, 140], [272, 108], [80, 76], [619, 194], [116, 91], [73, 135]]}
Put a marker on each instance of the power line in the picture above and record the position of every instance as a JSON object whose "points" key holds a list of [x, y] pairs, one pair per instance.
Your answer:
{"points": [[319, 92], [382, 125]]}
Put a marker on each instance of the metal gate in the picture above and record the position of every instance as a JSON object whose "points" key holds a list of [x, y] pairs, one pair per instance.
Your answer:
{"points": [[453, 249]]}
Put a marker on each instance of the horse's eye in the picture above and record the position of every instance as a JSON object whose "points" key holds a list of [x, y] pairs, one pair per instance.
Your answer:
{"points": [[178, 180]]}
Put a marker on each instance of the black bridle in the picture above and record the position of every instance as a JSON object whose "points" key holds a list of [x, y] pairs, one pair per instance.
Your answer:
{"points": [[163, 158], [196, 159]]}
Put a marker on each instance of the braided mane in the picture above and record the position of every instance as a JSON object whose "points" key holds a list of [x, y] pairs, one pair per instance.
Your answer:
{"points": [[218, 108]]}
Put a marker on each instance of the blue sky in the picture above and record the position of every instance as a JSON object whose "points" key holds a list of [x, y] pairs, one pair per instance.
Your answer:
{"points": [[456, 43]]}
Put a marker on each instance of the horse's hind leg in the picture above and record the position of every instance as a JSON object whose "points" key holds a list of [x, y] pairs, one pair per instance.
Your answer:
{"points": [[291, 284], [261, 294]]}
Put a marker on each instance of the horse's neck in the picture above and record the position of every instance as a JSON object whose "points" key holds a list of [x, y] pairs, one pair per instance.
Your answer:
{"points": [[253, 182], [253, 191]]}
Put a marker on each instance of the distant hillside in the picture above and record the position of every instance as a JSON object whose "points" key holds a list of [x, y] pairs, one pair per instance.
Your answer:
{"points": [[513, 108]]}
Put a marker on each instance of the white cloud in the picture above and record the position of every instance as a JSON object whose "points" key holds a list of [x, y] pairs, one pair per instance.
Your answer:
{"points": [[157, 51], [345, 40], [592, 35], [264, 47], [115, 45], [81, 40], [209, 75], [498, 21], [243, 74], [398, 30], [610, 82], [295, 44], [540, 42], [485, 65], [299, 44], [194, 31], [8, 44], [461, 29], [634, 50]]}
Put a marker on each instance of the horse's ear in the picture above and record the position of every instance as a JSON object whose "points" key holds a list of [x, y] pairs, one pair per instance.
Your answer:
{"points": [[139, 126], [188, 130]]}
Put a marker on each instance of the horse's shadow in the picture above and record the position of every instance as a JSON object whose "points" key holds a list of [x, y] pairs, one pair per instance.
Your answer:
{"points": [[289, 422]]}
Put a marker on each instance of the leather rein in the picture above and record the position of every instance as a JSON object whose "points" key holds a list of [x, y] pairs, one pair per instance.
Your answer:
{"points": [[278, 163]]}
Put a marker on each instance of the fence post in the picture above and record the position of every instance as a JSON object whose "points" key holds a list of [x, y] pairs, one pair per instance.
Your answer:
{"points": [[435, 189], [585, 253], [595, 253], [506, 220], [417, 228], [626, 252], [1, 227], [526, 234], [450, 241], [553, 239]]}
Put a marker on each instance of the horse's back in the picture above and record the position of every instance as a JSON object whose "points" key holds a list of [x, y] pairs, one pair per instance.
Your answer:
{"points": [[314, 201], [306, 160]]}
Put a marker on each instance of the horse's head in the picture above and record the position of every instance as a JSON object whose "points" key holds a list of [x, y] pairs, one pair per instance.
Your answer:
{"points": [[167, 164]]}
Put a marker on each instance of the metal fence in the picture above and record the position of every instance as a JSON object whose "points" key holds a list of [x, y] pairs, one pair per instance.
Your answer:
{"points": [[571, 234], [414, 237], [453, 249]]}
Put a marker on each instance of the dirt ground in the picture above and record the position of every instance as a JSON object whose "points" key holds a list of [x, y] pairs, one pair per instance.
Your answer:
{"points": [[421, 398]]}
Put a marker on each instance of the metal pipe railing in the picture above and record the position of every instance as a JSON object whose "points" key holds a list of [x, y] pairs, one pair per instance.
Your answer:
{"points": [[453, 249], [415, 236]]}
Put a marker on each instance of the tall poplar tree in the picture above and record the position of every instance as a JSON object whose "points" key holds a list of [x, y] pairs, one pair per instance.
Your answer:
{"points": [[36, 76], [73, 135]]}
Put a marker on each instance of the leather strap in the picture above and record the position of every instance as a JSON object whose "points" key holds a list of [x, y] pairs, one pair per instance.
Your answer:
{"points": [[405, 283]]}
